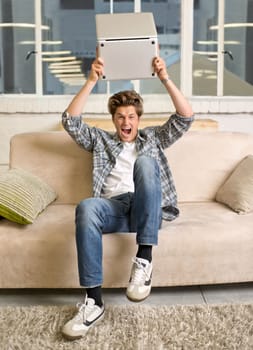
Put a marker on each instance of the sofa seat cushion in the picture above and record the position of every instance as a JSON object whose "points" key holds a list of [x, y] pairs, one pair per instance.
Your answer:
{"points": [[208, 243], [40, 255]]}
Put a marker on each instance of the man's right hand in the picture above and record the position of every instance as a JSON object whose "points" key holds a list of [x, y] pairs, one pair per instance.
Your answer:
{"points": [[97, 68]]}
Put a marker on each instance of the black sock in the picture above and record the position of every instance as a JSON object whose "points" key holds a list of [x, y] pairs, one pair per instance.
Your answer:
{"points": [[145, 252], [96, 294]]}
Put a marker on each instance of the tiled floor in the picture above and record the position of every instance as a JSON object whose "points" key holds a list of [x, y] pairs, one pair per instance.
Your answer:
{"points": [[159, 296]]}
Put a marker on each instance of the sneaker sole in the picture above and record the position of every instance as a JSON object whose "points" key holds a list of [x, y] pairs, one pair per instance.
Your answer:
{"points": [[136, 300], [79, 336]]}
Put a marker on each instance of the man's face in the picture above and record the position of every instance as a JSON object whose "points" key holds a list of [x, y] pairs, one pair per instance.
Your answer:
{"points": [[126, 122]]}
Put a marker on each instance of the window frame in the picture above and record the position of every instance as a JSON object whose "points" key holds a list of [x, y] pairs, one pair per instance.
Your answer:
{"points": [[154, 103]]}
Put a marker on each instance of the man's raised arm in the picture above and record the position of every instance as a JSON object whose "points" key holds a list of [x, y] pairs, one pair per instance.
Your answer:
{"points": [[76, 106], [183, 108]]}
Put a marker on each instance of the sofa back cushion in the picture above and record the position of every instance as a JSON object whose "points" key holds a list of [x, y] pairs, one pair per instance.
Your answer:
{"points": [[56, 158], [200, 162]]}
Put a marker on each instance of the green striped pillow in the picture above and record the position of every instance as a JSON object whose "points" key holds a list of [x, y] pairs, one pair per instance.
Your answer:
{"points": [[23, 196]]}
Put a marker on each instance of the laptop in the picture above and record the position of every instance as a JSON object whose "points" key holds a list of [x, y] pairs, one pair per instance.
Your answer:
{"points": [[127, 42]]}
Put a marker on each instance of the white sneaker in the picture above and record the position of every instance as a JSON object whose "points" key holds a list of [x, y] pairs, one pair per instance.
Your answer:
{"points": [[87, 315], [139, 286]]}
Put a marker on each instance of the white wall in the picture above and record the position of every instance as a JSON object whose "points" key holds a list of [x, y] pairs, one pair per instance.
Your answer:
{"points": [[233, 122]]}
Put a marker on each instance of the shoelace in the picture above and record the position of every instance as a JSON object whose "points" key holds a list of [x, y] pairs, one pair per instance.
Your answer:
{"points": [[140, 272], [83, 310]]}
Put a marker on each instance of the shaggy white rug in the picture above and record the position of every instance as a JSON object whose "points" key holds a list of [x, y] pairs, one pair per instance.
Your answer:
{"points": [[137, 327]]}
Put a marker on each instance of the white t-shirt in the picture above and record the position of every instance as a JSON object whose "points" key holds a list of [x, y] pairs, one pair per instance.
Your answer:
{"points": [[120, 180]]}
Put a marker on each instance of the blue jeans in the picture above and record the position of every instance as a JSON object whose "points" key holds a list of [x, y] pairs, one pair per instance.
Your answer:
{"points": [[138, 212]]}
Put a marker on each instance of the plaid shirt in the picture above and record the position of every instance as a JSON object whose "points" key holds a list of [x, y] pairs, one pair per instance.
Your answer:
{"points": [[150, 141]]}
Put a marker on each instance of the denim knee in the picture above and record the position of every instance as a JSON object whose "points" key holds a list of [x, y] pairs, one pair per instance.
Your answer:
{"points": [[147, 166], [82, 209], [87, 211]]}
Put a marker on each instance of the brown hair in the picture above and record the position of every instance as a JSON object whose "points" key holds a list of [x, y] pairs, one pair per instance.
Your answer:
{"points": [[126, 98]]}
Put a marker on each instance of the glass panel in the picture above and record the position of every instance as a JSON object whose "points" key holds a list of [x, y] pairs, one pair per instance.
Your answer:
{"points": [[121, 6], [17, 74], [238, 47], [167, 19], [205, 47], [69, 47]]}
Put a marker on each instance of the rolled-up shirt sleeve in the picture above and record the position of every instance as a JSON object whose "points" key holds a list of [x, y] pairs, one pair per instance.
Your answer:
{"points": [[173, 129], [81, 133]]}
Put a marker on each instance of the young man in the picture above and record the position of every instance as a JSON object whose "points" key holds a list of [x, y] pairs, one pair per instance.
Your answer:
{"points": [[132, 186]]}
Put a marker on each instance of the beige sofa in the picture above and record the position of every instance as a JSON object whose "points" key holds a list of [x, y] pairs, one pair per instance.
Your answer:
{"points": [[209, 243]]}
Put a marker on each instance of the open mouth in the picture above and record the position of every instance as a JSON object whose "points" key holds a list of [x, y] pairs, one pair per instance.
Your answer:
{"points": [[126, 131]]}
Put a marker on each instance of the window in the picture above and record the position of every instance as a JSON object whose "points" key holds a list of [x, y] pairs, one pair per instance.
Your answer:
{"points": [[238, 48], [166, 16], [46, 48], [204, 75], [17, 39], [68, 48], [222, 48]]}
